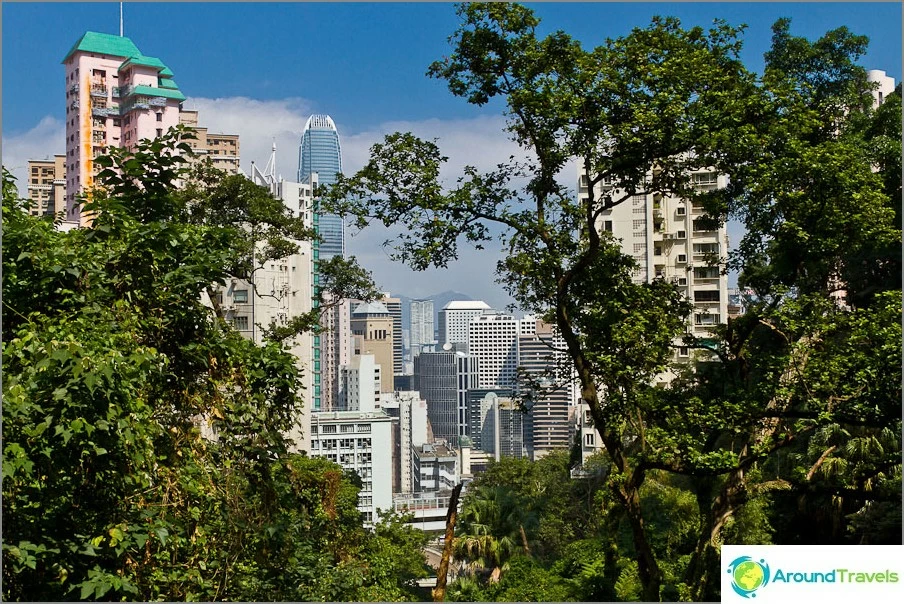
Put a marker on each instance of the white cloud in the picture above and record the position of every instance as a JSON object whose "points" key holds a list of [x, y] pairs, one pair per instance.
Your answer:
{"points": [[480, 141], [41, 142]]}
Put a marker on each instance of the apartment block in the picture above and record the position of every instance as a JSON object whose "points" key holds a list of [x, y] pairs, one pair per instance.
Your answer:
{"points": [[47, 186], [454, 318], [115, 96], [493, 341], [372, 333], [221, 149], [421, 326]]}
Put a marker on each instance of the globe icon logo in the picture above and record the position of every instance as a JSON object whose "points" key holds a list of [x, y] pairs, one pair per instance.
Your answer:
{"points": [[748, 575]]}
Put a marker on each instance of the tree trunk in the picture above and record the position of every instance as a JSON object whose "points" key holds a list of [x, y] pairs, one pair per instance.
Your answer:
{"points": [[439, 592]]}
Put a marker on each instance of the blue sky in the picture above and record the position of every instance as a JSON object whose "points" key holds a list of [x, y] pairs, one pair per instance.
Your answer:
{"points": [[259, 69]]}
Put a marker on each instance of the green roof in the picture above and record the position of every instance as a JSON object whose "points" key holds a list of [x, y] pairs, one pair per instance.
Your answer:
{"points": [[166, 71], [167, 83], [144, 61], [164, 92], [104, 44]]}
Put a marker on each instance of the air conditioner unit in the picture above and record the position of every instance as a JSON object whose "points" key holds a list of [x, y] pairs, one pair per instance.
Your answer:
{"points": [[682, 257], [668, 236]]}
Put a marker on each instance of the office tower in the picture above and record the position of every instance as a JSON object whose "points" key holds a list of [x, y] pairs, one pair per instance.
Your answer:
{"points": [[371, 326], [409, 413], [319, 152], [497, 423], [421, 325], [115, 96], [493, 341], [546, 384], [359, 441], [394, 306], [47, 186], [221, 149], [443, 378], [453, 322], [672, 238]]}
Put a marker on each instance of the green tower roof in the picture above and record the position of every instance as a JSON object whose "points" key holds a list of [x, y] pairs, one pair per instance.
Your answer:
{"points": [[107, 44], [146, 62]]}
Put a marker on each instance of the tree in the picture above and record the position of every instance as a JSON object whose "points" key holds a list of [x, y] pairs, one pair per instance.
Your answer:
{"points": [[110, 359], [640, 112]]}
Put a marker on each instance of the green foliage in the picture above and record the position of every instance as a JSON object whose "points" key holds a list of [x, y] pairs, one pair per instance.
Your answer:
{"points": [[144, 447]]}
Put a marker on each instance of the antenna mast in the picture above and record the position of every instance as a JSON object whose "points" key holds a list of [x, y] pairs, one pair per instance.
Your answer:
{"points": [[120, 19]]}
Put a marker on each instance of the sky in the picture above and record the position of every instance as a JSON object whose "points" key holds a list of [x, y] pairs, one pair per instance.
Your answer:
{"points": [[261, 69]]}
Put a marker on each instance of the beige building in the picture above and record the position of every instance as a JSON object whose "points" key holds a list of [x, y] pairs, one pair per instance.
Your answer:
{"points": [[47, 185], [372, 327], [221, 149]]}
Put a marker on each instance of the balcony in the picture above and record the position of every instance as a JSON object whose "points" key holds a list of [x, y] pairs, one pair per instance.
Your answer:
{"points": [[73, 89], [99, 90], [157, 101], [116, 91], [105, 111]]}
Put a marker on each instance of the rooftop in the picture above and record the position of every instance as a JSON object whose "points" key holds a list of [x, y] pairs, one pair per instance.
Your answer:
{"points": [[92, 41], [466, 305], [371, 308]]}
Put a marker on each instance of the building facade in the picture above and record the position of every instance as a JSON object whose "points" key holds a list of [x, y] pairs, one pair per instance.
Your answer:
{"points": [[421, 326], [546, 383], [409, 413], [497, 423], [47, 186], [493, 341], [372, 328], [444, 378], [221, 149], [454, 318], [394, 306], [674, 239]]}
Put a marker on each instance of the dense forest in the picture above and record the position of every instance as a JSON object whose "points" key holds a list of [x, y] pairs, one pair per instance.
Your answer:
{"points": [[785, 428]]}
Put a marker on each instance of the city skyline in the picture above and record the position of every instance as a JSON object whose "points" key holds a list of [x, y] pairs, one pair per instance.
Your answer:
{"points": [[266, 91]]}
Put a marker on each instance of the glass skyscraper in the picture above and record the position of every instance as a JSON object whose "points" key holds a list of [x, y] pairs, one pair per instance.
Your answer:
{"points": [[320, 152]]}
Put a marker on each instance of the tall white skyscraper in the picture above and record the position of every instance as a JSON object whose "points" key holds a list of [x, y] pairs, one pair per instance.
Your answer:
{"points": [[454, 319], [493, 341]]}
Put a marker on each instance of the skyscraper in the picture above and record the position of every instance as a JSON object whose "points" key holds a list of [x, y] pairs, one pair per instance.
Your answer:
{"points": [[454, 319], [444, 378], [320, 152]]}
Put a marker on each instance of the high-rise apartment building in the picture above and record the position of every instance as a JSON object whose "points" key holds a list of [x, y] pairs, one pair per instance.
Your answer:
{"points": [[673, 238], [454, 319], [497, 423], [421, 325], [885, 85], [320, 152], [335, 348], [409, 412], [371, 325], [115, 96], [443, 378], [221, 149], [47, 186], [359, 383]]}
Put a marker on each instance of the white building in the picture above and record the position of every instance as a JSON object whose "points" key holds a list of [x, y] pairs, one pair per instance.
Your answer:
{"points": [[885, 83], [359, 381], [409, 410], [493, 341], [454, 319], [672, 238], [362, 442]]}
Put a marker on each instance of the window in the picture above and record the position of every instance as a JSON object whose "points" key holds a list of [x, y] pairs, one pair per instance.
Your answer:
{"points": [[706, 319], [681, 210], [159, 117], [657, 250], [683, 351], [682, 234], [240, 323], [589, 440], [706, 295], [159, 132], [240, 296], [682, 257], [607, 226]]}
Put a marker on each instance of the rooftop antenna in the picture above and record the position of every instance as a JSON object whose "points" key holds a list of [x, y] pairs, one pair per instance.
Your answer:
{"points": [[120, 19]]}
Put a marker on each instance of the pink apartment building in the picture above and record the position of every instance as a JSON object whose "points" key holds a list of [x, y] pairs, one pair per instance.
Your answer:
{"points": [[115, 96]]}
